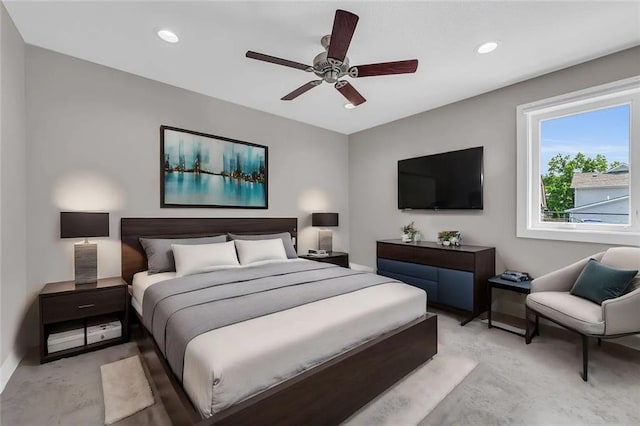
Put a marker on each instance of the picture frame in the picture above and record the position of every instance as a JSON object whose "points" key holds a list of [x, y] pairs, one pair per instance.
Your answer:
{"points": [[208, 171]]}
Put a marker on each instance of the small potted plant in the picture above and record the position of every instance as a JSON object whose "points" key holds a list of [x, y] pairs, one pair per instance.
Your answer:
{"points": [[409, 233], [447, 238]]}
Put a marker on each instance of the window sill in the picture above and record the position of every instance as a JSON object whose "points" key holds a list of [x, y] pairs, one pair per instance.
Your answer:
{"points": [[627, 238]]}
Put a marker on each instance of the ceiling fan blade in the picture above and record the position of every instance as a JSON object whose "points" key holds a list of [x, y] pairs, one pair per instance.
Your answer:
{"points": [[277, 61], [384, 68], [300, 90], [344, 25], [349, 92]]}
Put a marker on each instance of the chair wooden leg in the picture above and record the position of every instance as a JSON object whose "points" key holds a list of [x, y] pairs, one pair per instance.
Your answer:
{"points": [[585, 357], [537, 325], [599, 341]]}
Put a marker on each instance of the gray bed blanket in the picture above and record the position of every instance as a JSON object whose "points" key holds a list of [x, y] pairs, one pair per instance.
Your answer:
{"points": [[177, 310]]}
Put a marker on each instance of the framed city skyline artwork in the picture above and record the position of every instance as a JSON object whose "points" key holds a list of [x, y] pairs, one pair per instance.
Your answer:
{"points": [[201, 170]]}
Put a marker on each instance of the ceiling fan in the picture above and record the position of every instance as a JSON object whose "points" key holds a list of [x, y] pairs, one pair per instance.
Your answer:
{"points": [[333, 64]]}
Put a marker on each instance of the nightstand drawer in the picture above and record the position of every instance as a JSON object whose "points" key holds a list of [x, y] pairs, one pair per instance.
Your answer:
{"points": [[82, 304]]}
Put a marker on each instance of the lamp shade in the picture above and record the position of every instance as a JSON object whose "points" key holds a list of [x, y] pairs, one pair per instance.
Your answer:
{"points": [[324, 219], [83, 225]]}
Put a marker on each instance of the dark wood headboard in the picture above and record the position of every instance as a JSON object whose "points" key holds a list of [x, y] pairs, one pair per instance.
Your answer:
{"points": [[131, 229]]}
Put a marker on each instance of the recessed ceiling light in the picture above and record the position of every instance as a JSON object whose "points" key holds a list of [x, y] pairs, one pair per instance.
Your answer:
{"points": [[168, 36], [349, 105], [487, 47]]}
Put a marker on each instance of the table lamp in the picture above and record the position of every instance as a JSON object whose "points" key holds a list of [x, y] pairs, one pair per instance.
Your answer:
{"points": [[84, 225], [325, 236]]}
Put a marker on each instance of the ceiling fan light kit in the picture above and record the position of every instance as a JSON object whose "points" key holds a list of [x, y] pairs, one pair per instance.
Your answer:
{"points": [[332, 65]]}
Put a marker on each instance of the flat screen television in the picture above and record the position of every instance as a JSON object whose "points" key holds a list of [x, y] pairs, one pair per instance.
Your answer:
{"points": [[450, 180]]}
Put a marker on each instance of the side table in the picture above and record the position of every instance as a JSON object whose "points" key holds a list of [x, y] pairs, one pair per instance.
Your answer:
{"points": [[522, 287]]}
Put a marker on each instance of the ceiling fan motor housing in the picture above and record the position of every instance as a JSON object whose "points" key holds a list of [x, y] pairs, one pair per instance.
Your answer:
{"points": [[329, 69]]}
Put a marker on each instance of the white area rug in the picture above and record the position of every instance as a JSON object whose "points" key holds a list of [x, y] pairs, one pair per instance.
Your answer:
{"points": [[412, 399], [125, 388]]}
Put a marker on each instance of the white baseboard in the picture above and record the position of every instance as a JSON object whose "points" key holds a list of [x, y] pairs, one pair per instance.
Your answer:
{"points": [[8, 367]]}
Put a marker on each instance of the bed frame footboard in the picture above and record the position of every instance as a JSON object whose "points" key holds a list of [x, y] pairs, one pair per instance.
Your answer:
{"points": [[324, 395]]}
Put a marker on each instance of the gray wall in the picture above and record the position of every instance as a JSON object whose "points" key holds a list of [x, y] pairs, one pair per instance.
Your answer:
{"points": [[93, 144], [488, 120], [13, 269]]}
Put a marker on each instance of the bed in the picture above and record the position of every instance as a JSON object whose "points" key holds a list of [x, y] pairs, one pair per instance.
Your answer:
{"points": [[317, 368]]}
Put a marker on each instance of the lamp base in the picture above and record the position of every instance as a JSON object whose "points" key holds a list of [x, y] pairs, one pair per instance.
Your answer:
{"points": [[325, 240], [85, 257]]}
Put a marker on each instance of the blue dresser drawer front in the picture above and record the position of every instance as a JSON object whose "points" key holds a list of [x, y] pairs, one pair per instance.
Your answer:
{"points": [[431, 287], [455, 288], [423, 272]]}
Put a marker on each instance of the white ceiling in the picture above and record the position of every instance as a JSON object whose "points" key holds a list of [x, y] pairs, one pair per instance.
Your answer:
{"points": [[535, 38]]}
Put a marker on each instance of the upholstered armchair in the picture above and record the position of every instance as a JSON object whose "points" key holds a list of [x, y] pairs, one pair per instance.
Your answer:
{"points": [[550, 299]]}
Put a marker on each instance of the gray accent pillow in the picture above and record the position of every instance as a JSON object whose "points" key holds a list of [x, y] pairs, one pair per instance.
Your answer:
{"points": [[159, 253], [284, 236]]}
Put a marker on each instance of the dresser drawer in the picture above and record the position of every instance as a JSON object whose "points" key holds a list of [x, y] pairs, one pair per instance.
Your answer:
{"points": [[424, 272], [455, 288], [445, 258], [82, 304], [395, 251]]}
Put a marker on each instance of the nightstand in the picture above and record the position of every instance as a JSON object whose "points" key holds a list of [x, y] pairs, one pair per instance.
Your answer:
{"points": [[336, 257], [68, 310], [522, 287]]}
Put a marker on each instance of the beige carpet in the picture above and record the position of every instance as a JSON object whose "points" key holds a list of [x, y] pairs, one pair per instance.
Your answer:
{"points": [[513, 384], [413, 398], [125, 389]]}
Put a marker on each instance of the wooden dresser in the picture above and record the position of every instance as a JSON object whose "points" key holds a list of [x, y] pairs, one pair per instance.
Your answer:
{"points": [[453, 277]]}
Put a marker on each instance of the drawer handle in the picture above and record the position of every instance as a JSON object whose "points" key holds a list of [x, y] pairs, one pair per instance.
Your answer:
{"points": [[90, 305]]}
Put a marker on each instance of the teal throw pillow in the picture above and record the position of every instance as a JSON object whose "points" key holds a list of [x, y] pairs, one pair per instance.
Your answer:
{"points": [[598, 282]]}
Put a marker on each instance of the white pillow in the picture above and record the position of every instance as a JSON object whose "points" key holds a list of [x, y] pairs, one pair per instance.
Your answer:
{"points": [[250, 251], [195, 259]]}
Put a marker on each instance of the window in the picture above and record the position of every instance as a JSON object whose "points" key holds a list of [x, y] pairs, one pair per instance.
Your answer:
{"points": [[577, 154]]}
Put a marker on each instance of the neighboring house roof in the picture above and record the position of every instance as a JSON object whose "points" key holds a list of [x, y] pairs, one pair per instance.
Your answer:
{"points": [[598, 203], [599, 180], [620, 168]]}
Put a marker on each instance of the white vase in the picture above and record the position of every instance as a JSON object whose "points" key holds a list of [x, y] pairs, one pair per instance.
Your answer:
{"points": [[446, 243], [405, 238]]}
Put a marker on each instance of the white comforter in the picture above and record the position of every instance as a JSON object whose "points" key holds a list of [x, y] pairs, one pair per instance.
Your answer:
{"points": [[225, 366]]}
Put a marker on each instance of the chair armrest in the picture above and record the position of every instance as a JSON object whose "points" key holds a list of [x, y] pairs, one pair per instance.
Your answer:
{"points": [[622, 315], [562, 279]]}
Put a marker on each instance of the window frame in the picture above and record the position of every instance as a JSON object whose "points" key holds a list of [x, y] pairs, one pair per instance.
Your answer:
{"points": [[528, 194]]}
